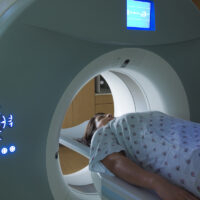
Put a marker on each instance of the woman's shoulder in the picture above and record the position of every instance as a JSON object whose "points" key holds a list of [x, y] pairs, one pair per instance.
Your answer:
{"points": [[139, 115]]}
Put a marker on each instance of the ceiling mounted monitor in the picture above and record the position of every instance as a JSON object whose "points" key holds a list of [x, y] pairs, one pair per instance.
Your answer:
{"points": [[140, 15]]}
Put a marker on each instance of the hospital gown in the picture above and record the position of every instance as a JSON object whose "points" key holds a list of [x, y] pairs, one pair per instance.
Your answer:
{"points": [[156, 142]]}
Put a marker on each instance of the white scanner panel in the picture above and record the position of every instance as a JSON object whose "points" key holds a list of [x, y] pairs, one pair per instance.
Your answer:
{"points": [[50, 49]]}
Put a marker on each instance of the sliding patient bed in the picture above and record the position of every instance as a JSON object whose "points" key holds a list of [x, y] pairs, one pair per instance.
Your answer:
{"points": [[95, 186]]}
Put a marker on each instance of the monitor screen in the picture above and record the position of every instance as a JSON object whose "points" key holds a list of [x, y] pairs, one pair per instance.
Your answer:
{"points": [[140, 15]]}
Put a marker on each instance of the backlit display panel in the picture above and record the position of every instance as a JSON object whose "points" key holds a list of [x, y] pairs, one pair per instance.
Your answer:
{"points": [[140, 15]]}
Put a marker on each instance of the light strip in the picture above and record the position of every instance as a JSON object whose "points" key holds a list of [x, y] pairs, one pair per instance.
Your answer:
{"points": [[5, 5]]}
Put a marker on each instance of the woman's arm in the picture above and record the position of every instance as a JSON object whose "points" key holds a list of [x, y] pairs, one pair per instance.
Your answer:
{"points": [[127, 170]]}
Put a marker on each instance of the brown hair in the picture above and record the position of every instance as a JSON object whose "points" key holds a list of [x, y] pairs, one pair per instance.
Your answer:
{"points": [[89, 131]]}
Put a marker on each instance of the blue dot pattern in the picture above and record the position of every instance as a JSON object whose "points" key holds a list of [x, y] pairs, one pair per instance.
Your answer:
{"points": [[156, 142]]}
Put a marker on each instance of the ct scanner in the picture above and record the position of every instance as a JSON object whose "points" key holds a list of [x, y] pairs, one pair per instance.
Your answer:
{"points": [[50, 49]]}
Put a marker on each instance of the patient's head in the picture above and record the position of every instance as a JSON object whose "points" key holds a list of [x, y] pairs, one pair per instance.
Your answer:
{"points": [[97, 121]]}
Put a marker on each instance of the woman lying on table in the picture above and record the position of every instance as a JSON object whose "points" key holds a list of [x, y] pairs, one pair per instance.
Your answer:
{"points": [[149, 149]]}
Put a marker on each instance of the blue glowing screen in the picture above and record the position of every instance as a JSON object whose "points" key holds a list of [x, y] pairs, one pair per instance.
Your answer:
{"points": [[140, 15]]}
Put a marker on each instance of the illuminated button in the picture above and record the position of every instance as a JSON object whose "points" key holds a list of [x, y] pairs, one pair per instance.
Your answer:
{"points": [[4, 150], [1, 138], [2, 122], [12, 149], [10, 121]]}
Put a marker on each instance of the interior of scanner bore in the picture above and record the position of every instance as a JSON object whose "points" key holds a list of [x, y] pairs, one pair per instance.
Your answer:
{"points": [[128, 97]]}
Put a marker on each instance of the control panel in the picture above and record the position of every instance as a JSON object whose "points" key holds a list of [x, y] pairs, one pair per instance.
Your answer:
{"points": [[6, 122]]}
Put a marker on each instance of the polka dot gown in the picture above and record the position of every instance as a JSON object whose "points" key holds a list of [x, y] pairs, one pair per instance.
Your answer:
{"points": [[156, 142]]}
